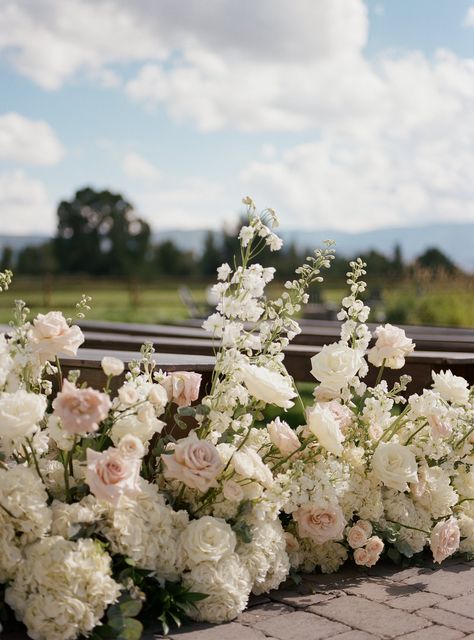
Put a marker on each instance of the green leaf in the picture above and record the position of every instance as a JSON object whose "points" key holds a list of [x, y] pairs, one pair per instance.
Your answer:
{"points": [[394, 555], [243, 531], [186, 411], [202, 409], [193, 596], [127, 607], [126, 628], [404, 548]]}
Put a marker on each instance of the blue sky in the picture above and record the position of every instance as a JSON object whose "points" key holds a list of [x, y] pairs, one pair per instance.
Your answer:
{"points": [[337, 113]]}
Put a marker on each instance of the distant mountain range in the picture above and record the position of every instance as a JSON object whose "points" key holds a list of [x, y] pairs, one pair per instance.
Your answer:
{"points": [[456, 240]]}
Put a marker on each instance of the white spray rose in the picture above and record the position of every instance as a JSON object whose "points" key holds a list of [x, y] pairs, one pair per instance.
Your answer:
{"points": [[335, 365], [394, 465], [268, 386], [450, 387], [323, 424], [20, 413], [112, 366], [392, 346]]}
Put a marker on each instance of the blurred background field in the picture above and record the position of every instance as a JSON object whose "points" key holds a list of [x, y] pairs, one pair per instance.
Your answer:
{"points": [[439, 302]]}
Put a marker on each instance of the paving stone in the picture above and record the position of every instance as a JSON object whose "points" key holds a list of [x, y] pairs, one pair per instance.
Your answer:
{"points": [[230, 631], [267, 610], [453, 581], [298, 625], [434, 633], [299, 600], [354, 634], [448, 619], [463, 605], [417, 600], [405, 574], [373, 617], [380, 590]]}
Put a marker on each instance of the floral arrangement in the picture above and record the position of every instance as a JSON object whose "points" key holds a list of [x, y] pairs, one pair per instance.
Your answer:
{"points": [[119, 509]]}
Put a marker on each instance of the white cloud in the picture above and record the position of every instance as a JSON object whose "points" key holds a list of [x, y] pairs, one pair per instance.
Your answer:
{"points": [[28, 141], [24, 205], [135, 166], [469, 17], [186, 203]]}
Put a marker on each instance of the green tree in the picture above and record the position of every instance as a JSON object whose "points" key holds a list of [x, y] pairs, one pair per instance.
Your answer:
{"points": [[36, 259], [169, 260], [99, 233], [7, 259], [211, 257], [435, 260]]}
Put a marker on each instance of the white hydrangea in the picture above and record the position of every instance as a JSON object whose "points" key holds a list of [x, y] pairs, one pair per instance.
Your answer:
{"points": [[400, 508], [62, 588], [148, 530]]}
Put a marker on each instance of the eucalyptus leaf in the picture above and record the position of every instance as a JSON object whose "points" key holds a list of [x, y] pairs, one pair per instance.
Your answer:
{"points": [[186, 411]]}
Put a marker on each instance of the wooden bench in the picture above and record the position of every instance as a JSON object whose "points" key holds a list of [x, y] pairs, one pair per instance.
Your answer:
{"points": [[297, 356]]}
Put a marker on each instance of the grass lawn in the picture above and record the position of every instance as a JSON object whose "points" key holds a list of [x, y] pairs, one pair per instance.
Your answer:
{"points": [[155, 302]]}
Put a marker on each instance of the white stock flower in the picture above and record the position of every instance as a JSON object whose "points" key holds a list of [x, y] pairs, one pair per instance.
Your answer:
{"points": [[391, 347], [207, 539], [450, 387], [394, 465], [269, 386], [335, 365], [323, 424]]}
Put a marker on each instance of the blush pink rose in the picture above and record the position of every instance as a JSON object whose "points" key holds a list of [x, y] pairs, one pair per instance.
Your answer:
{"points": [[359, 534], [51, 336], [111, 474], [283, 437], [182, 387], [194, 462], [80, 410], [445, 538], [320, 523], [374, 548]]}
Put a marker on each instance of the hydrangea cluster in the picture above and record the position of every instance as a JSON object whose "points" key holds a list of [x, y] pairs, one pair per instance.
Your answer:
{"points": [[106, 496]]}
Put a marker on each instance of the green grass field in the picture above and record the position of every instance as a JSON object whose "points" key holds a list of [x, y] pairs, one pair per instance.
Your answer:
{"points": [[449, 304]]}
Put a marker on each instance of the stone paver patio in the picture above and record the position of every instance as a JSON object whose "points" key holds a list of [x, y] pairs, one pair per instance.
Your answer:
{"points": [[385, 603]]}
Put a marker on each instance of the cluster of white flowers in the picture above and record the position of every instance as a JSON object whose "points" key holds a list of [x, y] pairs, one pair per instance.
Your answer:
{"points": [[99, 480]]}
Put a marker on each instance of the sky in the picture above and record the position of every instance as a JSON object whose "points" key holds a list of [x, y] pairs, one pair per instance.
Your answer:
{"points": [[339, 114]]}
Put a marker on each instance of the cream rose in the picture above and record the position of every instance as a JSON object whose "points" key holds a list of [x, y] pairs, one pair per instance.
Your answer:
{"points": [[182, 387], [112, 366], [232, 491], [131, 446], [80, 410], [110, 474], [321, 524], [342, 413], [283, 437], [323, 424], [335, 365], [194, 462], [392, 346], [394, 465], [445, 538], [51, 336], [450, 387], [208, 539], [269, 386]]}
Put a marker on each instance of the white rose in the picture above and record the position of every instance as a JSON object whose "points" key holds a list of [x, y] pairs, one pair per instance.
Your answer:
{"points": [[283, 437], [131, 446], [391, 346], [450, 387], [51, 336], [323, 424], [335, 365], [112, 366], [394, 465], [20, 413], [445, 539], [268, 386], [208, 539], [249, 464]]}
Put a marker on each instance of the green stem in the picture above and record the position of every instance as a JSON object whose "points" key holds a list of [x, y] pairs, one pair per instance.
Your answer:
{"points": [[414, 434], [59, 374], [458, 444], [35, 460], [407, 526], [7, 511], [380, 373]]}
